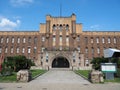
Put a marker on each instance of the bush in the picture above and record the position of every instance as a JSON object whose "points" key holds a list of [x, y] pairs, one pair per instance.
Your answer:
{"points": [[16, 63]]}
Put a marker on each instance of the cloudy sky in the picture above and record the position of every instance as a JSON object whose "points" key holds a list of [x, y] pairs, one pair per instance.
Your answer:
{"points": [[26, 15]]}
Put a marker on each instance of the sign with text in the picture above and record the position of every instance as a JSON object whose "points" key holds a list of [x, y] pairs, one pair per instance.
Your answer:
{"points": [[108, 67]]}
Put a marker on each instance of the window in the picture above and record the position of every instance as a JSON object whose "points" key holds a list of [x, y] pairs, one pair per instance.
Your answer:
{"points": [[78, 48], [1, 41], [29, 50], [43, 38], [18, 50], [78, 38], [74, 56], [18, 40], [46, 57], [13, 39], [54, 39], [7, 40], [54, 27], [98, 50], [61, 27], [67, 27], [97, 40], [43, 49], [35, 40], [87, 62], [23, 50], [11, 50], [86, 50], [86, 40], [103, 40], [24, 40], [60, 47], [67, 38], [91, 39], [6, 49], [92, 50], [108, 39], [115, 40], [60, 38], [35, 48], [0, 50], [29, 40]]}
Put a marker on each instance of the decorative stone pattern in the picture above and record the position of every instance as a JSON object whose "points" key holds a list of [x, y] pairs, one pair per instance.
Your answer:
{"points": [[96, 76], [24, 76]]}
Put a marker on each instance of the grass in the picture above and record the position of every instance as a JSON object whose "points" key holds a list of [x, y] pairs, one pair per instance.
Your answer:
{"points": [[37, 72], [12, 78], [84, 73], [116, 80]]}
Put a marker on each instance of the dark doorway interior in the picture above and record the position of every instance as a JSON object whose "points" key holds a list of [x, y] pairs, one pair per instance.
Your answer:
{"points": [[60, 62]]}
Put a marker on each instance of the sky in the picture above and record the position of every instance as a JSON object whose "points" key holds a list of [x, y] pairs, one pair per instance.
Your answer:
{"points": [[26, 15]]}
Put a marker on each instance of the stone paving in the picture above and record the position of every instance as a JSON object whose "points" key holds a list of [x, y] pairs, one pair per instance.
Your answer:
{"points": [[59, 80]]}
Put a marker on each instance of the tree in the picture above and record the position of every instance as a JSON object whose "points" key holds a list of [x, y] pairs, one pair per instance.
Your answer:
{"points": [[17, 63]]}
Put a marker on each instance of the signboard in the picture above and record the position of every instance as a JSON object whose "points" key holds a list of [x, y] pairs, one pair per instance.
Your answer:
{"points": [[108, 67]]}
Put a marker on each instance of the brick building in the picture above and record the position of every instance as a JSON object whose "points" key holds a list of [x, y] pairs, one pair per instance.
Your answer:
{"points": [[60, 42]]}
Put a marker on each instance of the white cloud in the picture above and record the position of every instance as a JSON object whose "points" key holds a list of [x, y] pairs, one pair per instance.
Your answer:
{"points": [[95, 27], [21, 2], [6, 24]]}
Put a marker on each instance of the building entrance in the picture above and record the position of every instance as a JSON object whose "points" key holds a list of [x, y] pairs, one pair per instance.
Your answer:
{"points": [[60, 62]]}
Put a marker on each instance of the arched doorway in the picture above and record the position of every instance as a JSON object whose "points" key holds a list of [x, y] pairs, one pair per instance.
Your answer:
{"points": [[60, 62]]}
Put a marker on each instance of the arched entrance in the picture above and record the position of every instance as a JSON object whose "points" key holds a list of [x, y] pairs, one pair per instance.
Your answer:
{"points": [[60, 62]]}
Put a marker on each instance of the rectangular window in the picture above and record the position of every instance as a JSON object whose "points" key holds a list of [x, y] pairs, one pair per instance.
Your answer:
{"points": [[1, 41], [67, 38], [97, 40], [60, 38], [23, 50], [11, 49], [92, 50], [6, 50], [29, 40], [18, 40], [98, 50], [60, 47], [43, 49], [29, 50], [86, 40], [13, 40], [115, 40], [24, 40], [35, 48], [43, 39], [54, 39], [109, 40], [7, 40], [35, 40], [92, 40], [0, 50], [78, 49], [18, 50], [103, 40], [86, 50]]}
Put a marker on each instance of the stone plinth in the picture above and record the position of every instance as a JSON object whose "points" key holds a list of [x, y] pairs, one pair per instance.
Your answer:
{"points": [[96, 76], [24, 76]]}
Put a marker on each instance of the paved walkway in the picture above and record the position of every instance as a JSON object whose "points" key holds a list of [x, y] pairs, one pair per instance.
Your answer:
{"points": [[60, 76], [59, 80]]}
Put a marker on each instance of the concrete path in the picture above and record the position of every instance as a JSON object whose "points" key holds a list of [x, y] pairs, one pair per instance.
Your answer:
{"points": [[59, 80], [60, 76]]}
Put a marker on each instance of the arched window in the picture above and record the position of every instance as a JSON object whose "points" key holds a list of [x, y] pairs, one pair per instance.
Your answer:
{"points": [[1, 40], [18, 40], [61, 27], [54, 27], [24, 40], [13, 39], [11, 50], [67, 27]]}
